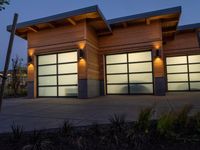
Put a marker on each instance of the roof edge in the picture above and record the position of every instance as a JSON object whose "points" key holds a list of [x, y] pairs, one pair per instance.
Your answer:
{"points": [[189, 27]]}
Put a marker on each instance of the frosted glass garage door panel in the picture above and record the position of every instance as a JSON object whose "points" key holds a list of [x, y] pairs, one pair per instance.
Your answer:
{"points": [[178, 86], [117, 78], [68, 91], [177, 69], [194, 68], [194, 76], [119, 58], [47, 70], [137, 57], [140, 67], [67, 57], [47, 91], [177, 60], [67, 79], [49, 80], [195, 86], [141, 88], [67, 68], [46, 59], [117, 89], [194, 59], [117, 68], [177, 77], [140, 78]]}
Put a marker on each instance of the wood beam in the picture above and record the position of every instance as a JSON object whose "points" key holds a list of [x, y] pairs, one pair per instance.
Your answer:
{"points": [[124, 24], [148, 21], [71, 21], [32, 29], [51, 25]]}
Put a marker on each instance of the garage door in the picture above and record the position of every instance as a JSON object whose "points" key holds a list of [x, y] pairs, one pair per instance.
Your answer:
{"points": [[57, 75], [183, 73], [129, 73]]}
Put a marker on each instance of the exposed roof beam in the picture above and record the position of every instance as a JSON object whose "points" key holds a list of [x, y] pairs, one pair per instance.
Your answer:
{"points": [[71, 21], [32, 29], [125, 24], [148, 21], [51, 25]]}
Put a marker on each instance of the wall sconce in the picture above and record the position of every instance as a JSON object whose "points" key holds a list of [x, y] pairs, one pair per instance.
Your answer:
{"points": [[158, 53], [81, 54], [30, 59]]}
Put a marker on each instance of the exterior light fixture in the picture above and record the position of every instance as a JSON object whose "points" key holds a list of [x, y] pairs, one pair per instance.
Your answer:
{"points": [[81, 53], [158, 53], [30, 59]]}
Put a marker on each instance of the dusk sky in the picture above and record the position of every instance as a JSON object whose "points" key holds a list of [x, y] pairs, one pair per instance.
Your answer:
{"points": [[33, 9]]}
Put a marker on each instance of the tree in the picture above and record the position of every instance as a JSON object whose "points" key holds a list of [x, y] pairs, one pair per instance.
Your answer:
{"points": [[3, 3], [16, 74]]}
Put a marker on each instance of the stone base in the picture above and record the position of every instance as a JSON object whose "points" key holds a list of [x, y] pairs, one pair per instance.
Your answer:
{"points": [[159, 86], [30, 88]]}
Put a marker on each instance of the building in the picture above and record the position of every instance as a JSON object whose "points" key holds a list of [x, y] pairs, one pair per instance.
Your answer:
{"points": [[80, 53]]}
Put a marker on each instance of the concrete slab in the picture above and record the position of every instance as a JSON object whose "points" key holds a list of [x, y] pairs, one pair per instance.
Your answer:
{"points": [[51, 112]]}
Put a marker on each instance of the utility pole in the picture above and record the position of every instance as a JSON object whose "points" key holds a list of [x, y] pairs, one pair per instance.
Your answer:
{"points": [[7, 62]]}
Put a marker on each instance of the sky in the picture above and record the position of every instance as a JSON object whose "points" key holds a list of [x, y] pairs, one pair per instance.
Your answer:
{"points": [[33, 9]]}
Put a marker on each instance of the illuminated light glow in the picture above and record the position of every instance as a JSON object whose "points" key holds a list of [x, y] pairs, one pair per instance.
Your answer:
{"points": [[82, 44], [158, 66], [31, 52]]}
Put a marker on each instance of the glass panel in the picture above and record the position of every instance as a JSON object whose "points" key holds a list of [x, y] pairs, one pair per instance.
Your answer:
{"points": [[119, 58], [177, 69], [47, 70], [194, 59], [117, 89], [176, 60], [47, 59], [50, 80], [141, 78], [47, 91], [140, 67], [194, 68], [117, 78], [177, 86], [67, 68], [67, 79], [177, 77], [117, 68], [141, 88], [141, 56], [68, 91], [67, 57], [194, 76], [195, 86]]}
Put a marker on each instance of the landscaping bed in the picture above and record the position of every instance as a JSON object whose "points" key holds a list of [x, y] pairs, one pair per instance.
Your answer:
{"points": [[172, 131]]}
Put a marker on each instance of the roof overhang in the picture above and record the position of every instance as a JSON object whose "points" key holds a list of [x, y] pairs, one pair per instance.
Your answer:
{"points": [[91, 14], [168, 17], [189, 27]]}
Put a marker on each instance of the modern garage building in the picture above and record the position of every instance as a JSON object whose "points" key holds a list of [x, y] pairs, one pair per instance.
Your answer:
{"points": [[81, 54]]}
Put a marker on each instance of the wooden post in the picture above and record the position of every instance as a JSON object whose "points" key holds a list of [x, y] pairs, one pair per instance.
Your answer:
{"points": [[7, 62]]}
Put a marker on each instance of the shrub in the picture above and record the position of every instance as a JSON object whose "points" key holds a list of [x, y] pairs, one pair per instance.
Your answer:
{"points": [[67, 129], [17, 132]]}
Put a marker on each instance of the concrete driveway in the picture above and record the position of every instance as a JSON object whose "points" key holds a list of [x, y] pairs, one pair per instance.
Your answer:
{"points": [[50, 113]]}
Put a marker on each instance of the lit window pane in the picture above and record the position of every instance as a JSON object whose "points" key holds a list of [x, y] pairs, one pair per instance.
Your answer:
{"points": [[117, 89], [117, 78], [119, 58], [141, 56], [140, 67], [47, 91], [194, 68], [46, 59], [177, 86], [67, 68], [194, 76], [176, 60], [68, 91], [140, 78], [67, 57], [194, 59], [47, 70], [117, 68], [195, 86], [177, 69], [67, 79], [141, 88], [50, 80], [177, 77]]}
